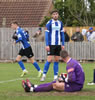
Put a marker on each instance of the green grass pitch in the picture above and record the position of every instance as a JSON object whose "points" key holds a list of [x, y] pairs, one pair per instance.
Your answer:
{"points": [[11, 88]]}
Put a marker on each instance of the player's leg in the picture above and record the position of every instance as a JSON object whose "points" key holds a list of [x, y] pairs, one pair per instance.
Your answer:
{"points": [[37, 88], [46, 67], [55, 67], [36, 66], [50, 54], [57, 50], [18, 59], [29, 54], [25, 86], [93, 82], [59, 86], [46, 87]]}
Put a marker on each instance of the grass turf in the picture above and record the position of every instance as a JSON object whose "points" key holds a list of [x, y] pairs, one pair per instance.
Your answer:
{"points": [[11, 88]]}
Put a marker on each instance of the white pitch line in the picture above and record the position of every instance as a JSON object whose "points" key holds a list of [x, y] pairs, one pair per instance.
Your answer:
{"points": [[10, 80], [13, 80]]}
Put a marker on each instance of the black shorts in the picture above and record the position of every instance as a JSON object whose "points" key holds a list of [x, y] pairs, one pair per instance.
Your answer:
{"points": [[54, 50], [26, 52]]}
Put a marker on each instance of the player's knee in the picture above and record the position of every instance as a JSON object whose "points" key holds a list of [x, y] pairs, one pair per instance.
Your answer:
{"points": [[32, 60], [49, 60], [17, 59], [56, 60]]}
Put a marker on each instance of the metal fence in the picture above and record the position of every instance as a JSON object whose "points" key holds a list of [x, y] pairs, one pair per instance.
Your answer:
{"points": [[77, 50]]}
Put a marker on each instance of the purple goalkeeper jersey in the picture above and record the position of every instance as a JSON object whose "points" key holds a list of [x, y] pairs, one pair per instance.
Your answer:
{"points": [[75, 72]]}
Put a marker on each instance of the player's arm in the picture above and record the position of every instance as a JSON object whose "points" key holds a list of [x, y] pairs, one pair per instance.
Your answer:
{"points": [[27, 35], [19, 38], [62, 35], [46, 36], [47, 31], [71, 75], [46, 40], [14, 36]]}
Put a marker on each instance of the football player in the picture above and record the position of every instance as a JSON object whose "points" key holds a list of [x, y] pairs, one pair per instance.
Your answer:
{"points": [[26, 50], [54, 35], [73, 81]]}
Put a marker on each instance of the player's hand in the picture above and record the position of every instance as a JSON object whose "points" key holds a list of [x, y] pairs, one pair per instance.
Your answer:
{"points": [[47, 48], [62, 77], [62, 47]]}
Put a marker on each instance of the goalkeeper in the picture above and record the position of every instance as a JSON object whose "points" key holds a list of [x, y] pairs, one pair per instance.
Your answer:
{"points": [[73, 82]]}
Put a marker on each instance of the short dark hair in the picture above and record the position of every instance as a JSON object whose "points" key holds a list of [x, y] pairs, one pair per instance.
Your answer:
{"points": [[14, 22], [64, 53], [54, 11]]}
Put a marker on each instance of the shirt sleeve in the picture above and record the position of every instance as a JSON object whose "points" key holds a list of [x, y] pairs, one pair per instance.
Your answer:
{"points": [[71, 73], [62, 34], [48, 26], [47, 31], [19, 37]]}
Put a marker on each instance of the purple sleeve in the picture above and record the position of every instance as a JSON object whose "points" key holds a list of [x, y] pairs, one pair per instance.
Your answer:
{"points": [[71, 76], [71, 73]]}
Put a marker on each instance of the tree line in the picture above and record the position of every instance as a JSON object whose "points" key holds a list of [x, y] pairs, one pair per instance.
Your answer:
{"points": [[74, 12]]}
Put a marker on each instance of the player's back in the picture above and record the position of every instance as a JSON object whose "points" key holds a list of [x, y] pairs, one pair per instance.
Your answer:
{"points": [[78, 70], [21, 33]]}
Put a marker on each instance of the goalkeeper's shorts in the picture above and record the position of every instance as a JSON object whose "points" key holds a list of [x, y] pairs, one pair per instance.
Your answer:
{"points": [[72, 87]]}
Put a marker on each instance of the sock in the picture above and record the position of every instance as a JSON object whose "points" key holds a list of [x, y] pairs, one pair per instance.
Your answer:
{"points": [[44, 75], [94, 76], [36, 66], [35, 86], [44, 87], [46, 67], [21, 65], [31, 89], [55, 68], [55, 76], [24, 70]]}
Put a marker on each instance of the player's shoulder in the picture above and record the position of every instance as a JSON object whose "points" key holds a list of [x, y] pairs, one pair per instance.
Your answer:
{"points": [[49, 22], [60, 22], [71, 63], [20, 30]]}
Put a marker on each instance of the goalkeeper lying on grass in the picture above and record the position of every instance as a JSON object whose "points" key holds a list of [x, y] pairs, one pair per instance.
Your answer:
{"points": [[73, 81]]}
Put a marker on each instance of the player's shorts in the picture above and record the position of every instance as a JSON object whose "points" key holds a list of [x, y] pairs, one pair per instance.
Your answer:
{"points": [[72, 87], [54, 50], [26, 52]]}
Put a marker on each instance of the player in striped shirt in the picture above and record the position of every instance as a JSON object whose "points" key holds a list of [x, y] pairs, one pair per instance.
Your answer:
{"points": [[26, 50], [54, 35]]}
